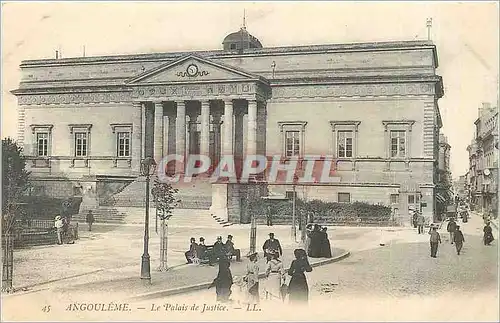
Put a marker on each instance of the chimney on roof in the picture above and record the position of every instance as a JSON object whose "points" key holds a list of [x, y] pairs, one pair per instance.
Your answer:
{"points": [[57, 54]]}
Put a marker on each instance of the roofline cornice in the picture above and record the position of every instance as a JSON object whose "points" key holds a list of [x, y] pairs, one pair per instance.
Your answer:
{"points": [[255, 52]]}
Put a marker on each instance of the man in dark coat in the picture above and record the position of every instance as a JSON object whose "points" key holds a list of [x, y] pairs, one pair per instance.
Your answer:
{"points": [[191, 253], [269, 216], [452, 226], [218, 251], [90, 219], [201, 250], [459, 239], [231, 250], [271, 245]]}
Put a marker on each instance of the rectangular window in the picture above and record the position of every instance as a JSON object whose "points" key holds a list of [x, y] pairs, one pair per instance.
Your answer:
{"points": [[344, 197], [411, 199], [344, 143], [292, 143], [123, 141], [80, 144], [394, 198], [398, 143], [42, 142]]}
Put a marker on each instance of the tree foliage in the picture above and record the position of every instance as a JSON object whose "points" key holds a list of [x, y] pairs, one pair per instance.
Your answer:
{"points": [[164, 197], [15, 182]]}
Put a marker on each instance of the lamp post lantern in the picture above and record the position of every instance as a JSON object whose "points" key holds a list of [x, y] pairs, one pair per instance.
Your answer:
{"points": [[148, 167]]}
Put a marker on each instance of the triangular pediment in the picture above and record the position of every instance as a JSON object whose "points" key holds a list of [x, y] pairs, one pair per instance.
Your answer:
{"points": [[192, 69]]}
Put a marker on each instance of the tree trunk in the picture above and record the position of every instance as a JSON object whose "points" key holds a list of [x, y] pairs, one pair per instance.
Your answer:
{"points": [[7, 262], [163, 246]]}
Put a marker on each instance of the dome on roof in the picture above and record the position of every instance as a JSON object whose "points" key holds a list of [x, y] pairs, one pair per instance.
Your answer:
{"points": [[240, 40]]}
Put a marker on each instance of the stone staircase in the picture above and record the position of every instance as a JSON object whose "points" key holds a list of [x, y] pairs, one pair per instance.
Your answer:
{"points": [[102, 214], [195, 195], [189, 218]]}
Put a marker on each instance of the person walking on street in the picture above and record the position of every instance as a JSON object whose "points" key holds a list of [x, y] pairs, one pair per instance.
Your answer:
{"points": [[435, 240], [488, 234], [269, 217], [298, 288], [452, 225], [459, 239], [420, 223], [90, 220]]}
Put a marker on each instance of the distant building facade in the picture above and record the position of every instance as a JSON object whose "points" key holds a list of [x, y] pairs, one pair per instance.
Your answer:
{"points": [[483, 161], [86, 123], [444, 194]]}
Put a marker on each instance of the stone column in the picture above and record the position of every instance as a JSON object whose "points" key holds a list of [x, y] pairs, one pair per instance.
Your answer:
{"points": [[252, 128], [227, 147], [158, 132], [138, 136], [143, 130], [180, 128], [205, 128]]}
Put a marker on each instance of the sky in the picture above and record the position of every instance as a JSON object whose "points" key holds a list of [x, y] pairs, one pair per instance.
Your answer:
{"points": [[465, 33]]}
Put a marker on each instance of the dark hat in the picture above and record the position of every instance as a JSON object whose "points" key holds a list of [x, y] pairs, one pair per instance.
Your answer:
{"points": [[229, 236], [271, 234], [202, 239]]}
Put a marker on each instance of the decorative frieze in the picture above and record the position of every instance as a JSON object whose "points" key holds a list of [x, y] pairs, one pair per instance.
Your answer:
{"points": [[71, 98], [351, 90], [197, 90]]}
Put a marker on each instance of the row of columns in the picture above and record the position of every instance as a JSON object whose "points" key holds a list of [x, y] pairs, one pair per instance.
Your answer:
{"points": [[228, 128]]}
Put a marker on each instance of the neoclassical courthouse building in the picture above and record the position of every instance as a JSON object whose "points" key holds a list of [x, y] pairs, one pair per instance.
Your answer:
{"points": [[87, 122]]}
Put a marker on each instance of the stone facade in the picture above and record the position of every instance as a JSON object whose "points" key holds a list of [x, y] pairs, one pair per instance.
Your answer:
{"points": [[482, 185], [100, 116]]}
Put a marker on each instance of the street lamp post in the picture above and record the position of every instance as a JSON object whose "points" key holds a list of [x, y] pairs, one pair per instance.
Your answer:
{"points": [[294, 209], [148, 166]]}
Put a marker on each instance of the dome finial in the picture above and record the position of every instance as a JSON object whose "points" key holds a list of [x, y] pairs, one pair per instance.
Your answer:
{"points": [[244, 20]]}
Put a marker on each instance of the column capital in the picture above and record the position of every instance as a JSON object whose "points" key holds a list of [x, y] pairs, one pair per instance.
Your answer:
{"points": [[137, 104], [157, 103], [228, 101], [181, 102], [205, 103], [252, 102]]}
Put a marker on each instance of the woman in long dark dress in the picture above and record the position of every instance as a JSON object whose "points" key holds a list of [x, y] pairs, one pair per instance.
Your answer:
{"points": [[298, 288], [223, 281], [488, 234], [326, 248]]}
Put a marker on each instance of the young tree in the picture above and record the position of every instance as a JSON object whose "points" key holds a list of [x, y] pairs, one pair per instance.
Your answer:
{"points": [[164, 196], [14, 185]]}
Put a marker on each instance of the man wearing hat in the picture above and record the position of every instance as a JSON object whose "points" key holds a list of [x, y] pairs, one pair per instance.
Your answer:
{"points": [[231, 251], [201, 249], [58, 224], [271, 245]]}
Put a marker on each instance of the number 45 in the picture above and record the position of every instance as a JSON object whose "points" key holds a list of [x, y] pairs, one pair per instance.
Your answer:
{"points": [[46, 308]]}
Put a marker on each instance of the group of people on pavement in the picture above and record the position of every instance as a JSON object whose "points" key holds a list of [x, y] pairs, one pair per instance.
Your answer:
{"points": [[456, 236], [317, 242], [200, 253], [62, 228], [274, 285]]}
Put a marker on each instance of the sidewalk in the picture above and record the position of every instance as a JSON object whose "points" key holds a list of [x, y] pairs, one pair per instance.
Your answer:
{"points": [[108, 259]]}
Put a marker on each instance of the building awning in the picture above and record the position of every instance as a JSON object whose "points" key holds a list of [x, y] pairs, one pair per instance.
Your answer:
{"points": [[440, 198]]}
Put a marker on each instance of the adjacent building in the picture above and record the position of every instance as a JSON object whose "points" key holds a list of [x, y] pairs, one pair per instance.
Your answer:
{"points": [[444, 193], [483, 161], [372, 108]]}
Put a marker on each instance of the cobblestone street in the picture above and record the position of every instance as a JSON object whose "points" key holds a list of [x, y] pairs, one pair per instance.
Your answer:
{"points": [[387, 282]]}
